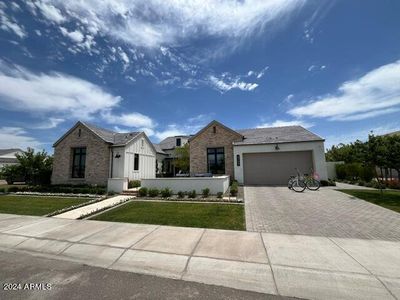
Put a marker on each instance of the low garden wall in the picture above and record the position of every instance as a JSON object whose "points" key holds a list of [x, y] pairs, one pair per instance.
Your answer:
{"points": [[117, 185], [184, 184]]}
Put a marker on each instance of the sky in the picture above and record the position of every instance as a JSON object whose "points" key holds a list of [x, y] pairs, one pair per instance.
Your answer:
{"points": [[170, 67]]}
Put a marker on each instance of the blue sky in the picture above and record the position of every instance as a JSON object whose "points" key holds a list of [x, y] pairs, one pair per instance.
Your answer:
{"points": [[170, 67]]}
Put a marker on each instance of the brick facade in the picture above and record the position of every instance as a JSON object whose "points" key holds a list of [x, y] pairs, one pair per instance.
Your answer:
{"points": [[97, 158], [207, 138]]}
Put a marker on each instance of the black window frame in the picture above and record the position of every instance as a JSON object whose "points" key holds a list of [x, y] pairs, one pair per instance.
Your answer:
{"points": [[136, 162], [238, 160], [78, 162], [217, 167], [178, 142]]}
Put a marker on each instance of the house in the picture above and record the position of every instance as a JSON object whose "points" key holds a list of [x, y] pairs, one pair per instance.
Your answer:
{"points": [[259, 156], [7, 156], [87, 154], [166, 153]]}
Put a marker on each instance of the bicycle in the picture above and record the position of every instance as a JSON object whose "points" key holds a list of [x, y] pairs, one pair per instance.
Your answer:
{"points": [[296, 183], [311, 182]]}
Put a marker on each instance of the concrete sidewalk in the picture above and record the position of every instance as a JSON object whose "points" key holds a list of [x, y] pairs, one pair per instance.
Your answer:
{"points": [[287, 265]]}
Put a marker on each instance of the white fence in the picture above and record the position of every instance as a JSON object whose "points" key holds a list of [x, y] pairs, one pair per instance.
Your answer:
{"points": [[185, 184]]}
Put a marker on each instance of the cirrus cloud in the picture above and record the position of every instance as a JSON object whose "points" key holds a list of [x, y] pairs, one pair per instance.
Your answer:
{"points": [[373, 94]]}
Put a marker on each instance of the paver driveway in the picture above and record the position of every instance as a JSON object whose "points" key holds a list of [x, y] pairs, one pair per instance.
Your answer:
{"points": [[322, 213]]}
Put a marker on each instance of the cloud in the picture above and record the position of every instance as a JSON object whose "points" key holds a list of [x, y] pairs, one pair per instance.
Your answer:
{"points": [[316, 68], [49, 11], [11, 25], [375, 93], [16, 137], [151, 23], [227, 84], [171, 130], [49, 124], [22, 90], [132, 120], [281, 123], [76, 36]]}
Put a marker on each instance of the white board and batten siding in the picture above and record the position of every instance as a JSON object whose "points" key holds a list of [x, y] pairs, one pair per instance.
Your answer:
{"points": [[124, 165]]}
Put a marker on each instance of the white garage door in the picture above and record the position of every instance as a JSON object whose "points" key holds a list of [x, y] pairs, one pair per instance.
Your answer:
{"points": [[274, 168]]}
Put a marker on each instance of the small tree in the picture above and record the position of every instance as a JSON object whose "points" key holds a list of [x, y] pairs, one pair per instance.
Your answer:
{"points": [[182, 158], [36, 167]]}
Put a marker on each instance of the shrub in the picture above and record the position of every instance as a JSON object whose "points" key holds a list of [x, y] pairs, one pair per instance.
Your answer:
{"points": [[134, 184], [234, 188], [331, 182], [192, 194], [165, 193], [219, 195], [181, 194], [206, 192], [13, 189], [143, 192], [153, 192], [369, 184], [2, 190], [361, 183], [394, 184], [378, 185], [324, 182]]}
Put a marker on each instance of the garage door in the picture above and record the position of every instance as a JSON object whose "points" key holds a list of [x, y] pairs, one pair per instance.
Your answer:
{"points": [[274, 168]]}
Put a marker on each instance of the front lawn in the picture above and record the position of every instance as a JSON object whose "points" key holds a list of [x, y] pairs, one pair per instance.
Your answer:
{"points": [[36, 206], [388, 199], [203, 215]]}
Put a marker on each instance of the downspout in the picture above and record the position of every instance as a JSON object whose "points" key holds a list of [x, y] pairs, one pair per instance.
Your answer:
{"points": [[111, 162]]}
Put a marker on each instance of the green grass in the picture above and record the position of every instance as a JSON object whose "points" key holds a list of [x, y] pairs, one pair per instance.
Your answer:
{"points": [[203, 215], [388, 199], [36, 206]]}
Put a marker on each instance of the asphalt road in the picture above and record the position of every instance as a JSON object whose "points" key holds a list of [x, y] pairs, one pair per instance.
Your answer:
{"points": [[71, 280]]}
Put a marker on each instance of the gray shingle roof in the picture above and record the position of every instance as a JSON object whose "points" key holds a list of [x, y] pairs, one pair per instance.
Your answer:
{"points": [[158, 149], [169, 142], [6, 151], [273, 135], [112, 137]]}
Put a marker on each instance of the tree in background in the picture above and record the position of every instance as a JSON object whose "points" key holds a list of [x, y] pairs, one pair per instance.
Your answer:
{"points": [[182, 158], [33, 168]]}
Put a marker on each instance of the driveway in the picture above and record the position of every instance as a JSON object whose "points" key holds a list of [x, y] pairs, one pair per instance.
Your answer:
{"points": [[326, 212]]}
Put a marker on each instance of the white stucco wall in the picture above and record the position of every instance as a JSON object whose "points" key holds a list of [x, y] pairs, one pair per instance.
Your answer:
{"points": [[317, 149], [117, 185], [186, 184], [124, 165]]}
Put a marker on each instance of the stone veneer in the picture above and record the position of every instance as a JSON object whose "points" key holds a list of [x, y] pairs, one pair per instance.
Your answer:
{"points": [[223, 137], [97, 158]]}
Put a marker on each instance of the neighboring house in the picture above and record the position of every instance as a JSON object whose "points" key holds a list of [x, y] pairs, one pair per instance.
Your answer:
{"points": [[166, 153], [260, 156], [87, 154], [7, 156]]}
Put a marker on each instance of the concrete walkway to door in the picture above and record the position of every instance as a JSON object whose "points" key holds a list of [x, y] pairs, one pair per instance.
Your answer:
{"points": [[322, 213]]}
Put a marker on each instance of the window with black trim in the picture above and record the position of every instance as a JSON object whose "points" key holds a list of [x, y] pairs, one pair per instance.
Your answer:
{"points": [[178, 142], [214, 129], [238, 160], [78, 162], [216, 160], [136, 163]]}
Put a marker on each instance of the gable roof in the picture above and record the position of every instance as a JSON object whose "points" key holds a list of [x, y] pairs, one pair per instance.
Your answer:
{"points": [[158, 149], [108, 136], [275, 135], [212, 123], [169, 142], [11, 150]]}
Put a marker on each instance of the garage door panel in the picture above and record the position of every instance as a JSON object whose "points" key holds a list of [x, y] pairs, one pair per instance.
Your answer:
{"points": [[274, 168]]}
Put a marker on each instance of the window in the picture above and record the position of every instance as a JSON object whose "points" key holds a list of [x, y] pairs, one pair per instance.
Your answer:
{"points": [[178, 142], [79, 132], [238, 160], [216, 160], [78, 162], [142, 143], [136, 163], [214, 129]]}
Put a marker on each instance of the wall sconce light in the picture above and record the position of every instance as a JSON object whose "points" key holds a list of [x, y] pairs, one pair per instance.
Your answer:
{"points": [[277, 147], [117, 155]]}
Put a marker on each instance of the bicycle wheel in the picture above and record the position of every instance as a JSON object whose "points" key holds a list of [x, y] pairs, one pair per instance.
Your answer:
{"points": [[313, 184], [289, 183], [298, 186]]}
